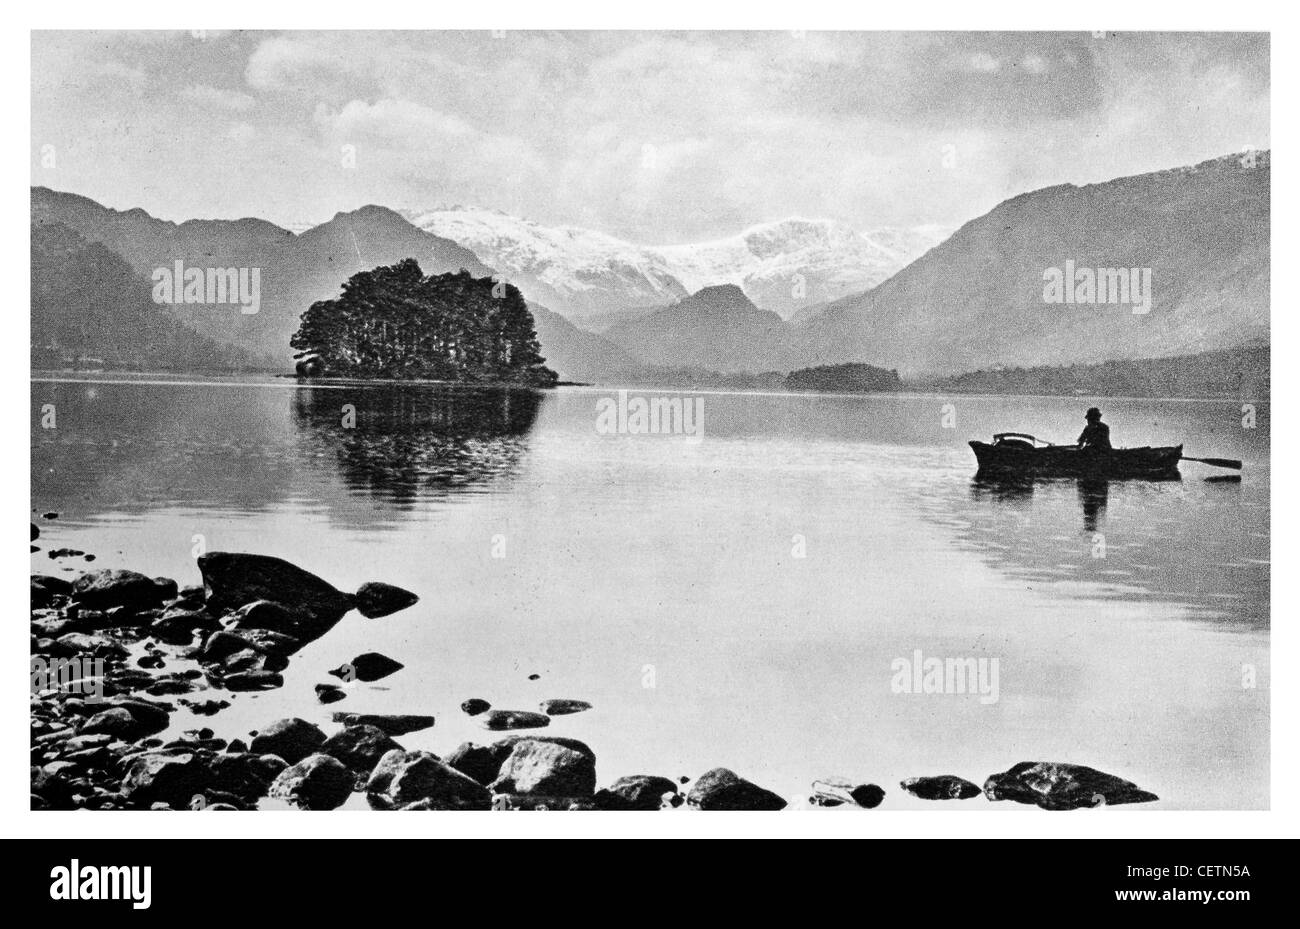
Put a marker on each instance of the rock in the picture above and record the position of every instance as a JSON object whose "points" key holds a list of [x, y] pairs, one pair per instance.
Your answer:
{"points": [[36, 533], [397, 724], [371, 666], [116, 722], [534, 677], [318, 782], [940, 787], [49, 516], [722, 789], [46, 590], [538, 768], [483, 762], [359, 747], [265, 614], [177, 627], [221, 645], [1059, 786], [838, 791], [206, 707], [252, 680], [513, 719], [637, 792], [564, 707], [329, 693], [167, 776], [53, 788], [292, 739], [233, 579], [113, 587], [403, 778], [64, 553], [98, 646], [374, 599], [475, 706]]}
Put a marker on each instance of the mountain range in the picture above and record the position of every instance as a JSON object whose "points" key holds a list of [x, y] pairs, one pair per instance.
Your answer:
{"points": [[771, 298], [593, 278]]}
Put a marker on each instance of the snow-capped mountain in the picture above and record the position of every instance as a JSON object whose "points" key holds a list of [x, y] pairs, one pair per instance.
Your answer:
{"points": [[784, 266]]}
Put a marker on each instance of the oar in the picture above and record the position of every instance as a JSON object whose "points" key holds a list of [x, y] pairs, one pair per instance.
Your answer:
{"points": [[1217, 462]]}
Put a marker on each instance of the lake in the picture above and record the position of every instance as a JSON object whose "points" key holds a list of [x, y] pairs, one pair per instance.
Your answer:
{"points": [[743, 598]]}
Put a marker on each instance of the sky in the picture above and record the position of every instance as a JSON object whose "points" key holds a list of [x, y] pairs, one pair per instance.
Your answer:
{"points": [[655, 137]]}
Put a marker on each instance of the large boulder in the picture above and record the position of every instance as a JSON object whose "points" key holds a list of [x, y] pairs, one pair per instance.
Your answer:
{"points": [[234, 579], [168, 776], [940, 787], [359, 747], [637, 792], [723, 789], [483, 762], [403, 778], [375, 599], [114, 587], [318, 782], [292, 739], [393, 724], [563, 707], [1060, 786], [537, 768], [46, 589]]}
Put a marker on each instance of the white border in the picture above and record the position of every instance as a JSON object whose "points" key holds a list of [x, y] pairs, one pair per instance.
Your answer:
{"points": [[17, 820]]}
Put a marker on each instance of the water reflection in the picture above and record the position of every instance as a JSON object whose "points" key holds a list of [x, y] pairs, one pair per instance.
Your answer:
{"points": [[402, 443], [1093, 493]]}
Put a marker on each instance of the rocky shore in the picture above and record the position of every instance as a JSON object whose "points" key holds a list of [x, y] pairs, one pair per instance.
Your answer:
{"points": [[115, 652]]}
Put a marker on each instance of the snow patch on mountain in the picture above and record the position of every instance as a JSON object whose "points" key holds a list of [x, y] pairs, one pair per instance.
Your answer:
{"points": [[782, 266]]}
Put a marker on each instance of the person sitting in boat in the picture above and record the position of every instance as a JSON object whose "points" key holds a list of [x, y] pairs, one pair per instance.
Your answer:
{"points": [[1096, 435]]}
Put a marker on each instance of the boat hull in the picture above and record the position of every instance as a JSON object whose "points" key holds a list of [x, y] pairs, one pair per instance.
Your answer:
{"points": [[1017, 459]]}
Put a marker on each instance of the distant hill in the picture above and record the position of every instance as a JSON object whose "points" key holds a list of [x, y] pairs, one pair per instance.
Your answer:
{"points": [[91, 309], [296, 270], [577, 355], [716, 328], [976, 300], [1231, 374]]}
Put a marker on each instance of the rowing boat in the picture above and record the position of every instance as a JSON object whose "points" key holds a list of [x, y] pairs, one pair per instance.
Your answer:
{"points": [[1014, 453]]}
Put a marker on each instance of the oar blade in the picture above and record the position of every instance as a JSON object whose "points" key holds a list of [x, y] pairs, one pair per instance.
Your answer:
{"points": [[1217, 462]]}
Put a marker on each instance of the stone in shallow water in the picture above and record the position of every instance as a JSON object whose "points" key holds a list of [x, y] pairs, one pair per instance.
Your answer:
{"points": [[330, 693], [113, 587], [483, 762], [723, 789], [292, 739], [368, 667], [1061, 786], [638, 792], [359, 747], [395, 724], [563, 707], [475, 706], [375, 599], [839, 791], [234, 579], [513, 719], [940, 787]]}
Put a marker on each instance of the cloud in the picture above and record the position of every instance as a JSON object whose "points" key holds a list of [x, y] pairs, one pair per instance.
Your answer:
{"points": [[218, 98]]}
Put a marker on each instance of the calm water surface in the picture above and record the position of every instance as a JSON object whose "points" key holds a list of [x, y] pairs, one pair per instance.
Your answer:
{"points": [[736, 600]]}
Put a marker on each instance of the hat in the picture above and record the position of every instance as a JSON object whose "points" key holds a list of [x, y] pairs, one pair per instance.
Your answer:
{"points": [[1093, 413]]}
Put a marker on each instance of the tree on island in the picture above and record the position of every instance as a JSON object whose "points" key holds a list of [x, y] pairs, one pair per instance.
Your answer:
{"points": [[394, 322]]}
